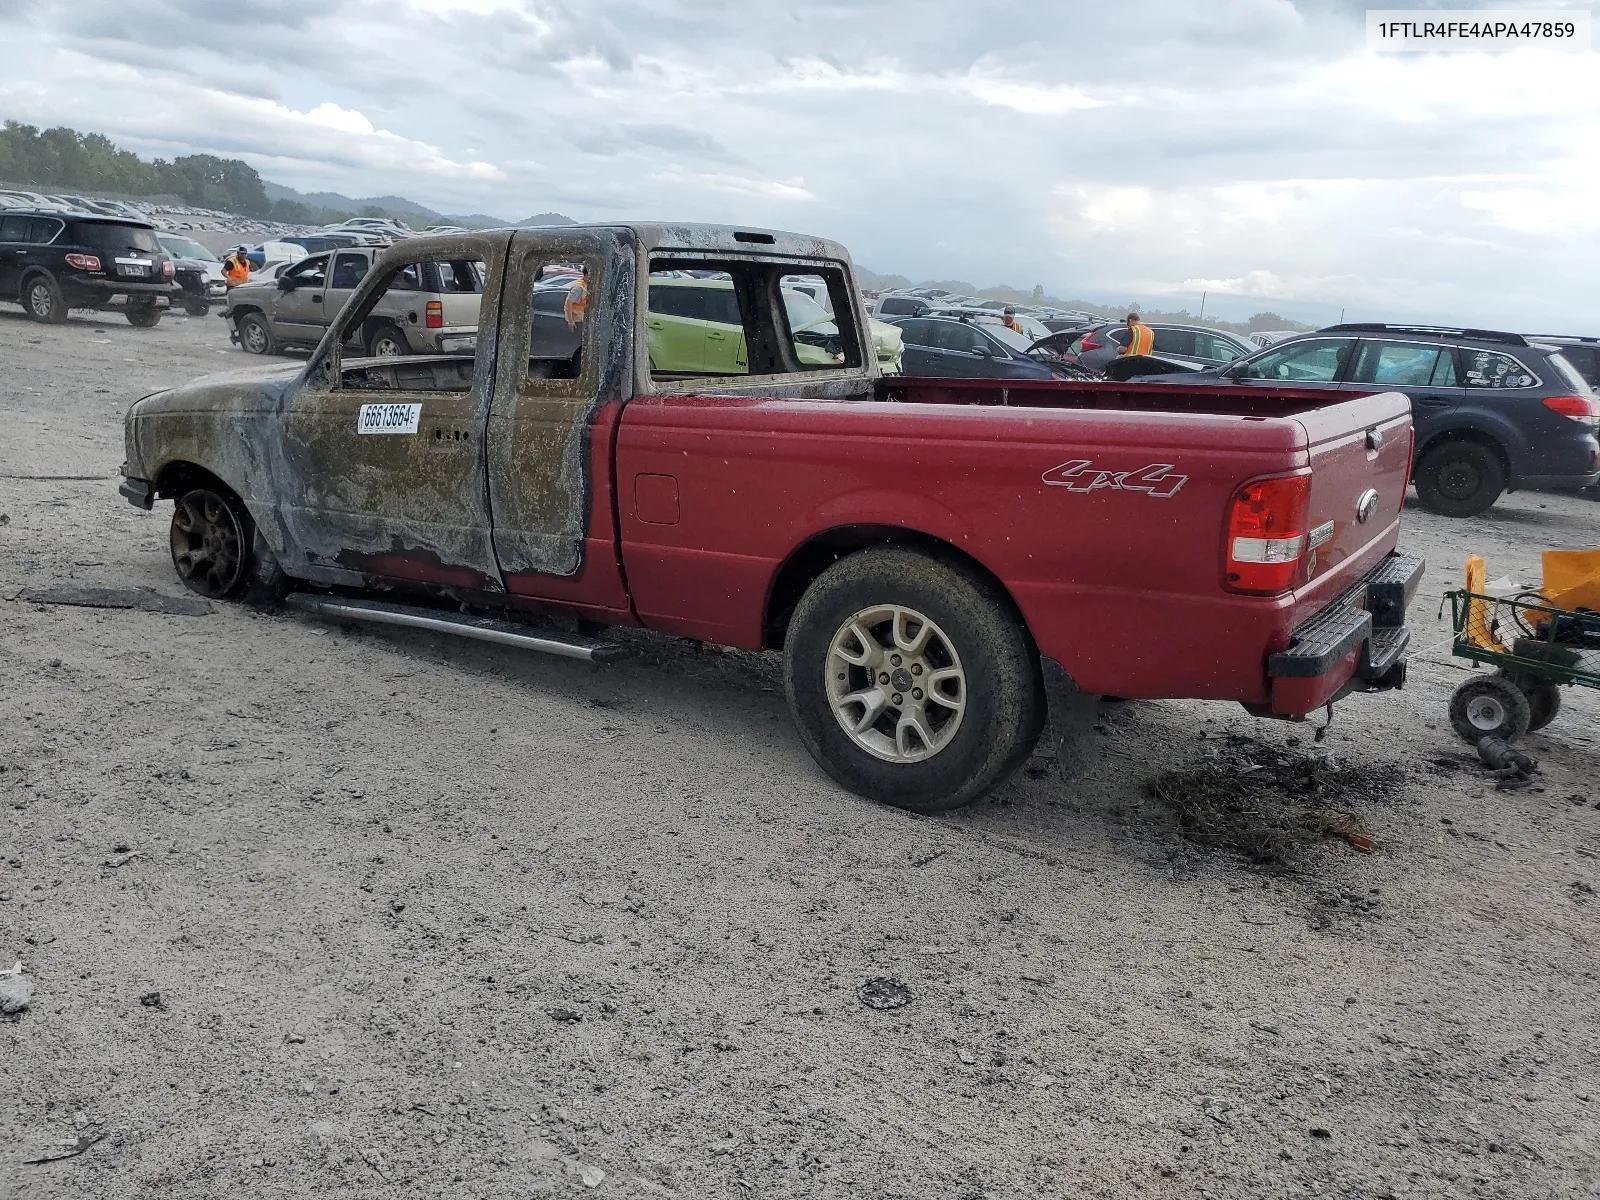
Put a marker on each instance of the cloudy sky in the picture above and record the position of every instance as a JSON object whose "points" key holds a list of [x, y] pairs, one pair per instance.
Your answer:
{"points": [[1254, 149]]}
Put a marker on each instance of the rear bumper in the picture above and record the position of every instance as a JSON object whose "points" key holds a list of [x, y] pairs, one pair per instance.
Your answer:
{"points": [[87, 293], [1356, 643]]}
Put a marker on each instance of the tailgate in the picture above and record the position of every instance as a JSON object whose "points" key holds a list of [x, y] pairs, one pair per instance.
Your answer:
{"points": [[1360, 457], [461, 309]]}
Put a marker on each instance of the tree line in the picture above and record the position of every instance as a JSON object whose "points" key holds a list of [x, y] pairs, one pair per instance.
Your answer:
{"points": [[64, 160]]}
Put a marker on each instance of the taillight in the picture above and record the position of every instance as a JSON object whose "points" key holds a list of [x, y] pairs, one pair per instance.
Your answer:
{"points": [[84, 262], [1089, 343], [1267, 534], [166, 268], [1579, 408], [433, 315]]}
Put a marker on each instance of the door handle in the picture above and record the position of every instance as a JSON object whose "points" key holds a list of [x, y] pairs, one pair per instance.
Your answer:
{"points": [[717, 337], [1433, 402], [653, 324], [316, 299]]}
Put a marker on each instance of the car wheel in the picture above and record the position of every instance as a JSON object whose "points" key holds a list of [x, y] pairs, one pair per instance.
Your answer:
{"points": [[912, 680], [386, 342], [219, 553], [1489, 706], [143, 316], [254, 335], [43, 300], [1460, 479], [196, 306]]}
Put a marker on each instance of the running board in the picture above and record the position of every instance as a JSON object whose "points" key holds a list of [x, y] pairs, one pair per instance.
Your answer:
{"points": [[483, 629]]}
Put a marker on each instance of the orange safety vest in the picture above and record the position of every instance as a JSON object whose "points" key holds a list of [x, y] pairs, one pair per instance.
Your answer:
{"points": [[1142, 340], [576, 306], [236, 270]]}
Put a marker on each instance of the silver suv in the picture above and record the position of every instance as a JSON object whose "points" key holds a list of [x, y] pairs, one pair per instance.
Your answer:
{"points": [[429, 308]]}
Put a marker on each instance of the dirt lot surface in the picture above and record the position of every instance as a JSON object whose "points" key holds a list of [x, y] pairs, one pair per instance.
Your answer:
{"points": [[314, 911]]}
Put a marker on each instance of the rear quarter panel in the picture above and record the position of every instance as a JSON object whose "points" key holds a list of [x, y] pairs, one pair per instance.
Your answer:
{"points": [[1122, 586]]}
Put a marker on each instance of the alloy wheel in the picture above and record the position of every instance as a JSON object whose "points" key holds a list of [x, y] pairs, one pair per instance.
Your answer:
{"points": [[207, 544], [895, 683]]}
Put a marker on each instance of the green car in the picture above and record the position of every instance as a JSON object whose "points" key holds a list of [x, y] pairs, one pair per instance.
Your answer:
{"points": [[695, 329]]}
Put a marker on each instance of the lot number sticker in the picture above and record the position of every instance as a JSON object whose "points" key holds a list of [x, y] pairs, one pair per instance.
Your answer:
{"points": [[389, 418]]}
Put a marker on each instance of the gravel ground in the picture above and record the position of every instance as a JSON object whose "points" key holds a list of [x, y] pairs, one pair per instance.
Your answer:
{"points": [[314, 911]]}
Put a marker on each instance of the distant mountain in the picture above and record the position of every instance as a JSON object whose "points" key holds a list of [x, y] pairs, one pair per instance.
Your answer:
{"points": [[399, 206], [342, 203]]}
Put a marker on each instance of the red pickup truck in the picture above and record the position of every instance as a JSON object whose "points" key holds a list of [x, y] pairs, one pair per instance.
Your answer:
{"points": [[650, 429]]}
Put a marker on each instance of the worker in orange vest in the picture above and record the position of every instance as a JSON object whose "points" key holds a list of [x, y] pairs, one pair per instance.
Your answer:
{"points": [[576, 306], [1141, 338], [236, 267]]}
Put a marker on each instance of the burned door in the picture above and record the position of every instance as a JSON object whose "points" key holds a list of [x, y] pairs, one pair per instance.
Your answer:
{"points": [[385, 458], [567, 313]]}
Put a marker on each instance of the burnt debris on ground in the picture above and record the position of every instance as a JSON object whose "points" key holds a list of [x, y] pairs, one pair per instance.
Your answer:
{"points": [[1273, 803]]}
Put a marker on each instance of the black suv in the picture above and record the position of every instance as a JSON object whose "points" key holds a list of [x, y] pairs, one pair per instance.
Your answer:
{"points": [[968, 347], [1493, 412], [51, 262]]}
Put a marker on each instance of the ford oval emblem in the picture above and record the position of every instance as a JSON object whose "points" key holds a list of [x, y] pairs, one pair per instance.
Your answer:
{"points": [[1367, 505]]}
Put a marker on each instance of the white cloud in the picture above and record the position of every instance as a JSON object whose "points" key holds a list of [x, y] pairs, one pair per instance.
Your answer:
{"points": [[1248, 147]]}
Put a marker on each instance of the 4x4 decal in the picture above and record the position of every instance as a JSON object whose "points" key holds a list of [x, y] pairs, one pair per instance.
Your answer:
{"points": [[1080, 475]]}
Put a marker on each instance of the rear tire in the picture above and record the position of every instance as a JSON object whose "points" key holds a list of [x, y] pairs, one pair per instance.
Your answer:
{"points": [[254, 335], [1489, 706], [196, 306], [219, 553], [43, 299], [387, 341], [143, 316], [930, 741], [1460, 479]]}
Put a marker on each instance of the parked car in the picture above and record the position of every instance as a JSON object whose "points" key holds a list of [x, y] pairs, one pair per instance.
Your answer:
{"points": [[899, 304], [955, 348], [1031, 327], [198, 272], [695, 327], [1174, 347], [51, 262], [1494, 412], [1266, 337], [932, 559], [316, 243], [1582, 352], [431, 310]]}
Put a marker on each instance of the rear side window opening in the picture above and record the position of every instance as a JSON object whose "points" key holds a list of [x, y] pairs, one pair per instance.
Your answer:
{"points": [[736, 317], [115, 239]]}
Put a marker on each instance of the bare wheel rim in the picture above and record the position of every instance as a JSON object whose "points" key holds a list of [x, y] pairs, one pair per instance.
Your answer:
{"points": [[1486, 713], [255, 337], [206, 544], [39, 299], [386, 345], [896, 684]]}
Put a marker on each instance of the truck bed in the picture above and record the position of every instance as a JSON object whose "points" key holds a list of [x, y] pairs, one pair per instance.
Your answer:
{"points": [[1102, 508], [1097, 394]]}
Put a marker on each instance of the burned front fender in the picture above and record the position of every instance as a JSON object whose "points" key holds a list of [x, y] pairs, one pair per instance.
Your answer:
{"points": [[225, 426]]}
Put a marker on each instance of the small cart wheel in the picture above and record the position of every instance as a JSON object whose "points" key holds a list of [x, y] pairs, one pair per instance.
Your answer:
{"points": [[1544, 702], [1489, 706]]}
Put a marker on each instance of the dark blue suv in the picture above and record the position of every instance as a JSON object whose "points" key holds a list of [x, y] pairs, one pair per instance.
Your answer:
{"points": [[1494, 412]]}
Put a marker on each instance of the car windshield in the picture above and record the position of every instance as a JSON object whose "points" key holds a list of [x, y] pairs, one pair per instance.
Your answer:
{"points": [[116, 239], [185, 248], [805, 313], [1570, 374]]}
